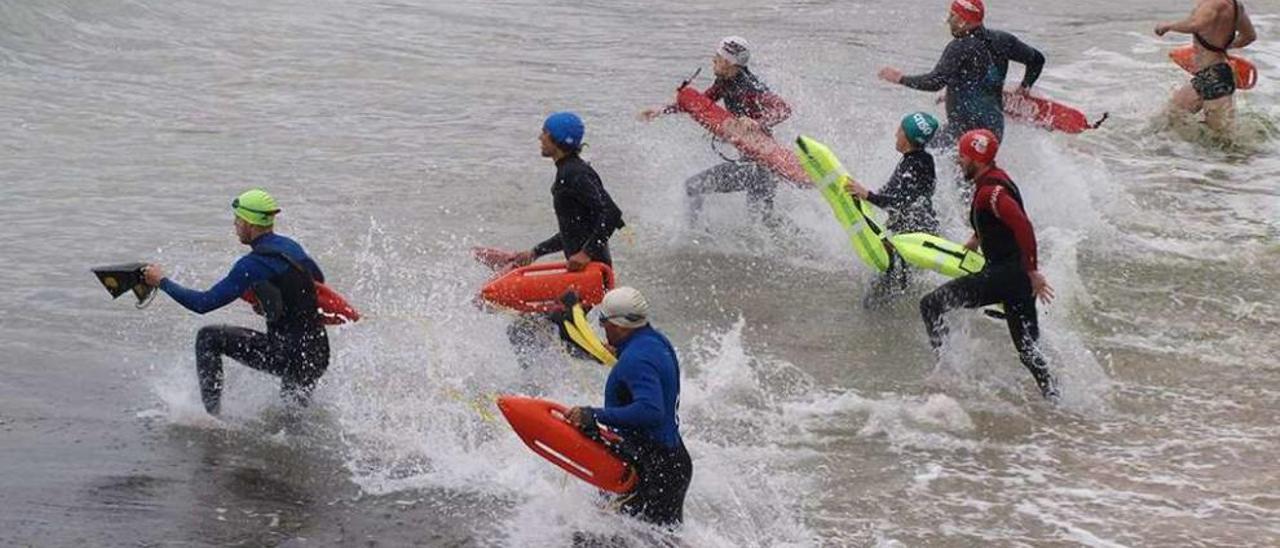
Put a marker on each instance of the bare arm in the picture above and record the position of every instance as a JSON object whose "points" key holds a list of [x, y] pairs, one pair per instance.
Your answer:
{"points": [[1198, 21], [1244, 27]]}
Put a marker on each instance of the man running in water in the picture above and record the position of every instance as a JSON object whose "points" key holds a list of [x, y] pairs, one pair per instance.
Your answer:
{"points": [[587, 218], [641, 399], [972, 70], [755, 106], [909, 196], [1011, 275], [585, 213], [282, 276], [1216, 26]]}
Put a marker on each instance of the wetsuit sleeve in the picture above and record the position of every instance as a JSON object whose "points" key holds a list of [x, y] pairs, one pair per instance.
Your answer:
{"points": [[243, 275], [1030, 57], [715, 92], [937, 79], [550, 245], [645, 409], [1011, 214], [904, 187]]}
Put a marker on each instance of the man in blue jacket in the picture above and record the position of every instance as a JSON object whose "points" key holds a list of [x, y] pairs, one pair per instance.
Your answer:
{"points": [[282, 276], [641, 399]]}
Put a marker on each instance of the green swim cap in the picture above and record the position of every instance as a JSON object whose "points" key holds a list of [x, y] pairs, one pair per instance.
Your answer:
{"points": [[256, 207], [920, 127]]}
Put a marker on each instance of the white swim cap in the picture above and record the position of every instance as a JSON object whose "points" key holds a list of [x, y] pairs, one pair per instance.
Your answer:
{"points": [[625, 307], [735, 49]]}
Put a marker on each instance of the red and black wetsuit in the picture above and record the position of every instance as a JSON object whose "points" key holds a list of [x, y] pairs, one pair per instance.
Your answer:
{"points": [[743, 95], [1009, 245]]}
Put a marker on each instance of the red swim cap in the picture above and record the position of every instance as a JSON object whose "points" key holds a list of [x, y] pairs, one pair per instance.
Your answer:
{"points": [[971, 11], [979, 145]]}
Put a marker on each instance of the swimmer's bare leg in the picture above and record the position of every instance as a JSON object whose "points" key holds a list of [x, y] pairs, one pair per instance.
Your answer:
{"points": [[1220, 114]]}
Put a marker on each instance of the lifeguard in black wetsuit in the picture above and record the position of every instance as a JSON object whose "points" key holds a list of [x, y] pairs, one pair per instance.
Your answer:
{"points": [[972, 69], [585, 215], [295, 346], [1216, 26], [1011, 275], [909, 198], [747, 97]]}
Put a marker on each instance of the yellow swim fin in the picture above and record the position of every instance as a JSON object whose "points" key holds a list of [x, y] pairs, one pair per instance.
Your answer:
{"points": [[580, 333]]}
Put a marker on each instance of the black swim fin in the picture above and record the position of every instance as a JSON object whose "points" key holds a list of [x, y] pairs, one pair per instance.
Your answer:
{"points": [[122, 278]]}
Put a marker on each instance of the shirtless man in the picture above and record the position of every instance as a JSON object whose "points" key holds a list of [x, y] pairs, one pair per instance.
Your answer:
{"points": [[1217, 25]]}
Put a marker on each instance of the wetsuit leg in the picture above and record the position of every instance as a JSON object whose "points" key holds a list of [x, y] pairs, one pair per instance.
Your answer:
{"points": [[1008, 285], [1024, 329], [762, 187], [719, 179], [665, 473], [307, 359], [530, 335], [252, 348], [965, 292], [889, 284]]}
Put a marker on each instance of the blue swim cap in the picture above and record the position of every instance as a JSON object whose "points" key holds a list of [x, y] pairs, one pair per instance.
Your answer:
{"points": [[920, 127], [566, 130]]}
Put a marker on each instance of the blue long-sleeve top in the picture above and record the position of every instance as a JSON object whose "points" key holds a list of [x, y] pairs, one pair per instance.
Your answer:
{"points": [[256, 266], [642, 394]]}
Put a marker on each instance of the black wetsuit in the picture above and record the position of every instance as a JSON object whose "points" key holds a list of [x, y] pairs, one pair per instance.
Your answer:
{"points": [[743, 95], [587, 217], [972, 69], [585, 213], [295, 346], [909, 197], [1219, 79], [1009, 245]]}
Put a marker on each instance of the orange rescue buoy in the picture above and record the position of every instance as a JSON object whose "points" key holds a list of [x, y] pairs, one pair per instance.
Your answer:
{"points": [[333, 308], [1245, 71], [542, 426], [538, 287]]}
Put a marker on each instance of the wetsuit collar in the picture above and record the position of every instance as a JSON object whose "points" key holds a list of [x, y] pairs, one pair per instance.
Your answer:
{"points": [[622, 346], [981, 176], [565, 159], [260, 238]]}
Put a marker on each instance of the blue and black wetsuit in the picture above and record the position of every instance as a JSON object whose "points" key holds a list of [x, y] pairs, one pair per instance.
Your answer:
{"points": [[972, 70], [909, 198], [641, 399], [295, 346]]}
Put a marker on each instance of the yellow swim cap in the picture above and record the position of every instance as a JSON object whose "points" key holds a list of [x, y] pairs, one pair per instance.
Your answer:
{"points": [[256, 207]]}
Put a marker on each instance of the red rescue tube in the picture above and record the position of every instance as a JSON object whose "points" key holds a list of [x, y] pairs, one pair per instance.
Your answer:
{"points": [[756, 144], [333, 307], [1046, 113], [542, 426], [1246, 72], [538, 287]]}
